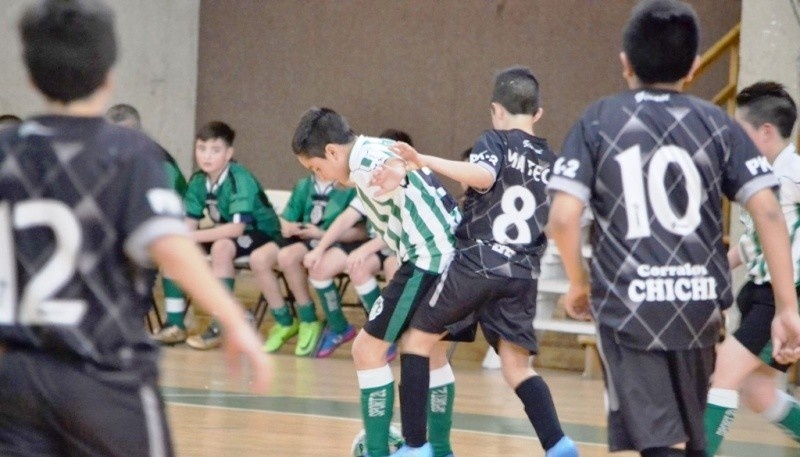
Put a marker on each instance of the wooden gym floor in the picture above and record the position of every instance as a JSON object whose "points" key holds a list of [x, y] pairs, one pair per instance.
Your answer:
{"points": [[313, 409]]}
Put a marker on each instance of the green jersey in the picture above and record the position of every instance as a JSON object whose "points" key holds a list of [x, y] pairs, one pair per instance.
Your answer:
{"points": [[416, 220], [316, 202], [236, 197]]}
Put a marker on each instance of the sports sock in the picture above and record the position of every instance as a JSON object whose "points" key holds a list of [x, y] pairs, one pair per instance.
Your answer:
{"points": [[414, 382], [377, 403], [441, 394], [541, 411], [785, 413], [306, 312], [368, 293], [228, 282], [174, 302], [720, 411], [282, 315], [331, 304]]}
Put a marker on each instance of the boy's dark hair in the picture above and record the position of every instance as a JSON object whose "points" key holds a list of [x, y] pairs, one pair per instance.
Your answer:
{"points": [[9, 119], [517, 90], [397, 135], [68, 47], [216, 129], [318, 128], [768, 102], [661, 40], [124, 113]]}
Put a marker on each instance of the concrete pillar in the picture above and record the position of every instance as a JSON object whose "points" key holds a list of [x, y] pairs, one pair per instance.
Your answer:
{"points": [[156, 71]]}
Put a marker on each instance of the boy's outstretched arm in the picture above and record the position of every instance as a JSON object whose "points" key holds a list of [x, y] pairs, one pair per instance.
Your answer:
{"points": [[771, 227], [183, 261], [471, 174], [564, 227]]}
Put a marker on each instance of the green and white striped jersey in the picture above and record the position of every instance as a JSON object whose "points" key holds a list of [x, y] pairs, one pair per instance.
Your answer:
{"points": [[787, 169], [418, 220]]}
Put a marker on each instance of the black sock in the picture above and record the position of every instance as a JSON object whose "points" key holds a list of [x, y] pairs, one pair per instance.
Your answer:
{"points": [[541, 411], [414, 379]]}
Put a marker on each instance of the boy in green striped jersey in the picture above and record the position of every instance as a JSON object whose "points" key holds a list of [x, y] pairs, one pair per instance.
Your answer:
{"points": [[745, 366], [417, 220]]}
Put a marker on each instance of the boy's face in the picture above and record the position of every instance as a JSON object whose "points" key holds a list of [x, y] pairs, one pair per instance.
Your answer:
{"points": [[332, 167], [212, 155]]}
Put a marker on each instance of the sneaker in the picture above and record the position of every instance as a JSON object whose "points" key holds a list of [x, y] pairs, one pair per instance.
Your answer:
{"points": [[278, 335], [423, 451], [332, 340], [308, 336], [209, 339], [170, 334], [564, 448], [391, 354]]}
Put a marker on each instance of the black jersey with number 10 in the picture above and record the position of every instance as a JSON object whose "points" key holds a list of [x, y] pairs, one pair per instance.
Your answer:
{"points": [[654, 166]]}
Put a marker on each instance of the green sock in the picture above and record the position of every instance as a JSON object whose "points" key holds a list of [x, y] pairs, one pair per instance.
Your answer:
{"points": [[441, 395], [785, 414], [306, 312], [331, 304], [229, 282], [377, 407], [720, 411], [368, 293], [282, 315], [174, 303]]}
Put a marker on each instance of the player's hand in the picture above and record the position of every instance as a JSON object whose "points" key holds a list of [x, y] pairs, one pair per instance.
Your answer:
{"points": [[786, 337], [409, 154], [387, 178], [356, 258], [289, 229], [576, 302], [309, 232], [242, 345], [312, 258]]}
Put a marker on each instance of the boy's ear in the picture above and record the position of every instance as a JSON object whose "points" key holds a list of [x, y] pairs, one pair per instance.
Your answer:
{"points": [[695, 66], [331, 152], [627, 69], [538, 115]]}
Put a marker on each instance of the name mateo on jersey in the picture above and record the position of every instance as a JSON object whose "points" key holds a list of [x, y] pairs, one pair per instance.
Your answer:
{"points": [[528, 167], [672, 282]]}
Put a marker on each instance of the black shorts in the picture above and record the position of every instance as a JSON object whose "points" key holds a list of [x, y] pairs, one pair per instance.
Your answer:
{"points": [[311, 244], [392, 311], [756, 303], [655, 398], [53, 407], [504, 307], [246, 243]]}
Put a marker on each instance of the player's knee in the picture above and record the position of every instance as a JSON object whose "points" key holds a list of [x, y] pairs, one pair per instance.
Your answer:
{"points": [[222, 250], [264, 258]]}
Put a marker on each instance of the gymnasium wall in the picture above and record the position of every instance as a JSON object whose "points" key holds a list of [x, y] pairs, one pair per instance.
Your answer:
{"points": [[423, 66]]}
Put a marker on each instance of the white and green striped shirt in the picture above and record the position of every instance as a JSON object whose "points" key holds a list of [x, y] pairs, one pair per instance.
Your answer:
{"points": [[787, 169], [417, 221]]}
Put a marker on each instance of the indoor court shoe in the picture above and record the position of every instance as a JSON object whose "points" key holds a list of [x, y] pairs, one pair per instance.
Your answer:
{"points": [[171, 334], [209, 339], [423, 451], [308, 337], [332, 340], [278, 335], [564, 448]]}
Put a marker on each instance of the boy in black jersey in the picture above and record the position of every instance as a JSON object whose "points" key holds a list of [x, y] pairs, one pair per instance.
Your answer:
{"points": [[84, 205], [492, 278], [654, 164]]}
